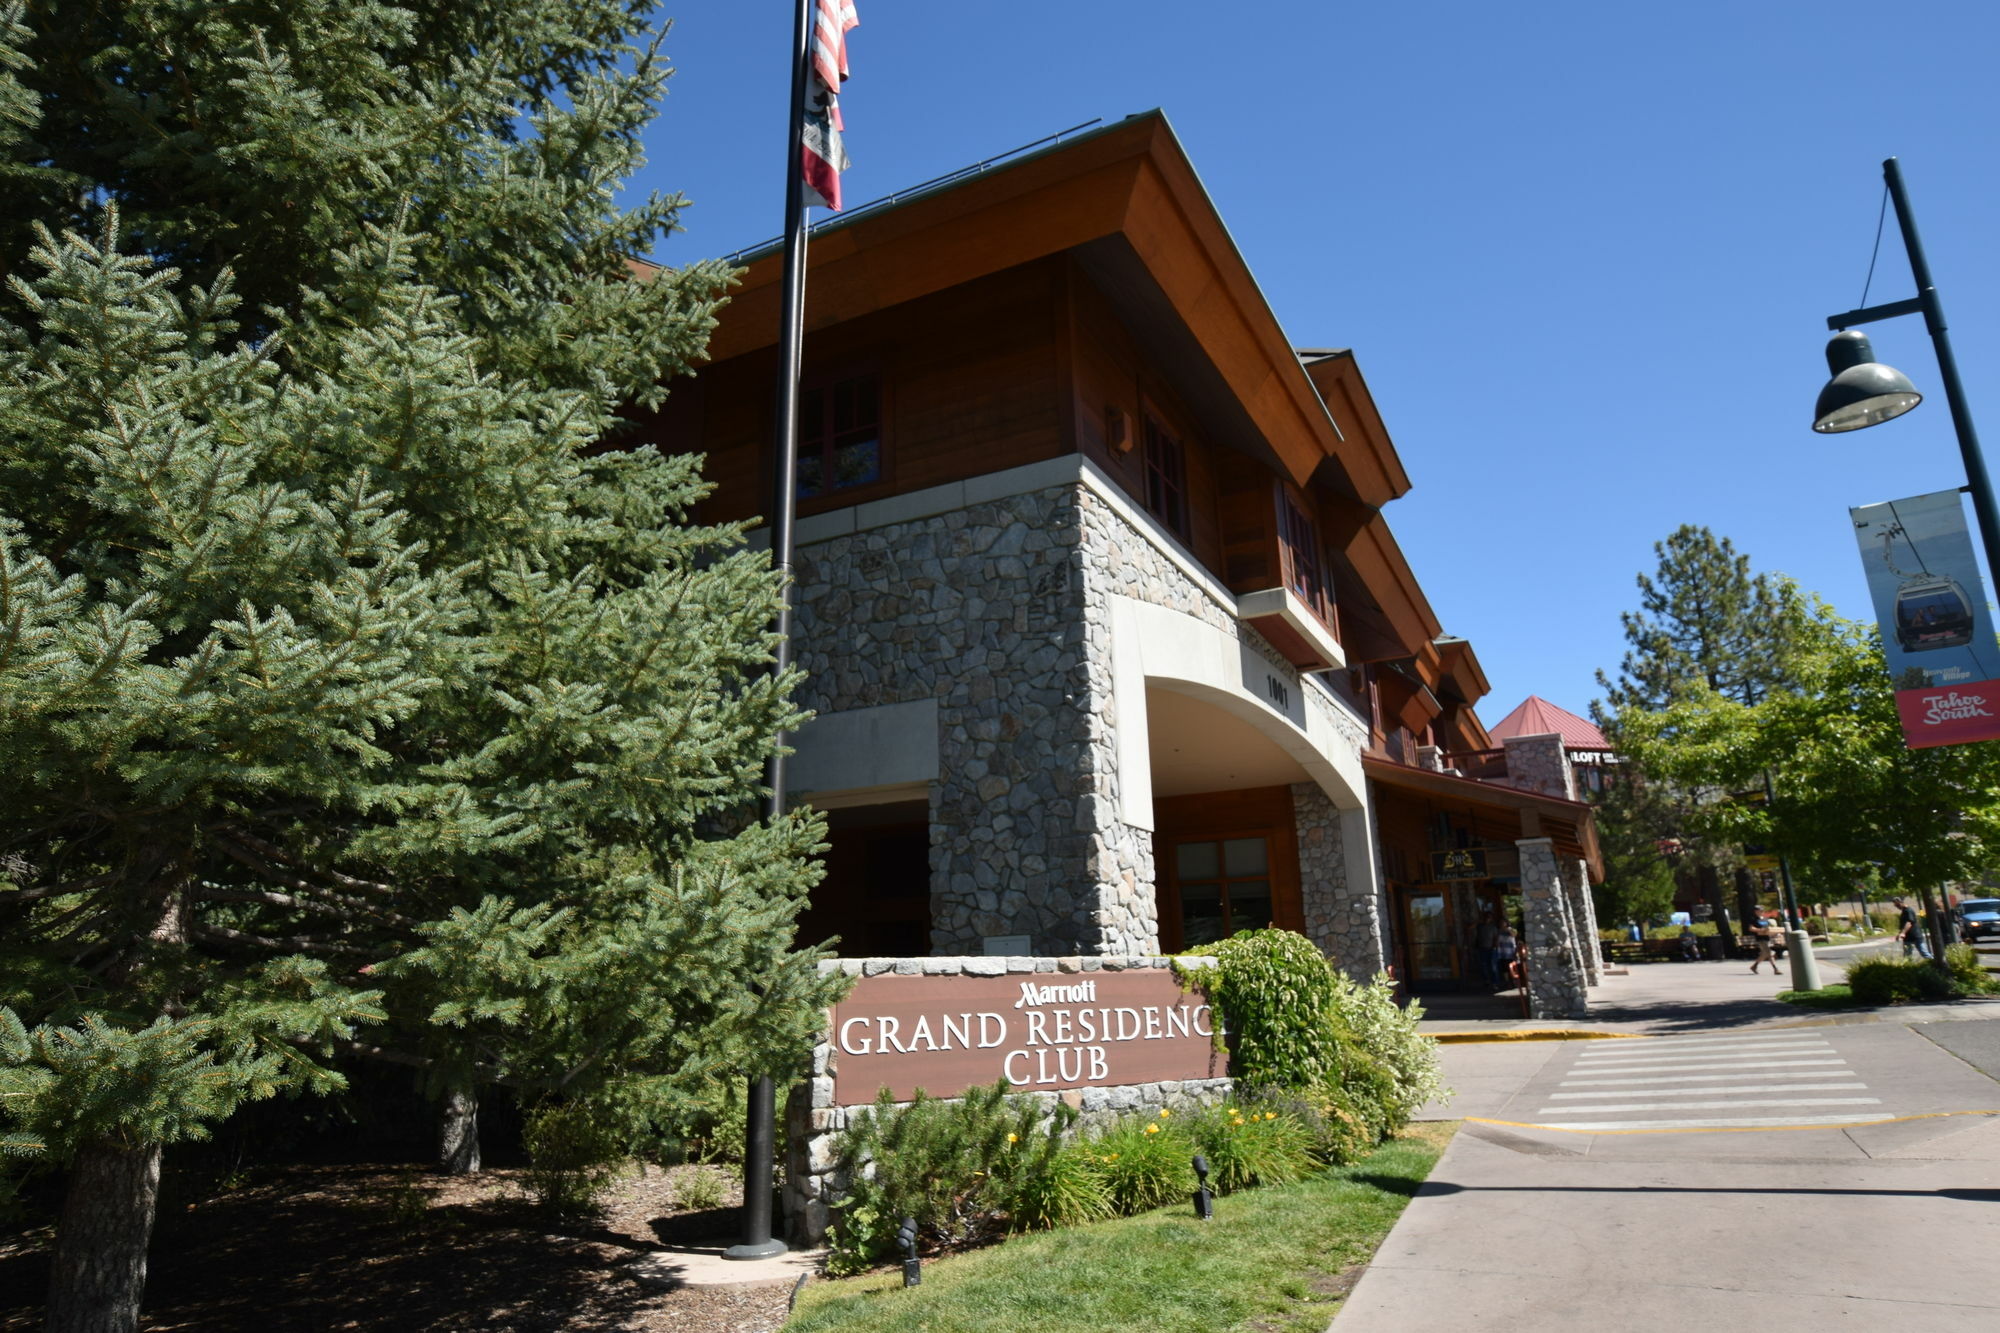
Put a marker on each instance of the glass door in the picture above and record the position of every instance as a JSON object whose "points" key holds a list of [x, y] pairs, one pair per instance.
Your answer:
{"points": [[1225, 887], [1427, 928]]}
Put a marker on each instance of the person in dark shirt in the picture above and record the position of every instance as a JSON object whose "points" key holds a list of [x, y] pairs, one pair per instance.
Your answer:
{"points": [[1908, 930]]}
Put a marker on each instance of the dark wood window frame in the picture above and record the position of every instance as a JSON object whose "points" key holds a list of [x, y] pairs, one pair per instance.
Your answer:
{"points": [[820, 440], [1164, 465]]}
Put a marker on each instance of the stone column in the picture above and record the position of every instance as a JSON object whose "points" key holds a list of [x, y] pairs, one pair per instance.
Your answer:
{"points": [[1557, 983], [1583, 914], [1341, 917], [1537, 763]]}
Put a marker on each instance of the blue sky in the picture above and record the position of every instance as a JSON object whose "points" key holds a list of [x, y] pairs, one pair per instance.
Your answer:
{"points": [[1583, 252]]}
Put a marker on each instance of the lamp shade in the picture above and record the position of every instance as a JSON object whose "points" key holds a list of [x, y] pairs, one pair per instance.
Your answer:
{"points": [[1863, 391]]}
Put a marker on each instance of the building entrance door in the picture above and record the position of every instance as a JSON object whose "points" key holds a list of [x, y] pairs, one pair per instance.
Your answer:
{"points": [[1428, 937]]}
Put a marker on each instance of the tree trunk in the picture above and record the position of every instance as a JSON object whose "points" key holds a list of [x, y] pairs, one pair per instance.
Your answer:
{"points": [[1711, 893], [458, 1141], [1747, 906], [100, 1263]]}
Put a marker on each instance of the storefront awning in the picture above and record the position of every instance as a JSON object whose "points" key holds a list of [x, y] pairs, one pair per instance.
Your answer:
{"points": [[1570, 825]]}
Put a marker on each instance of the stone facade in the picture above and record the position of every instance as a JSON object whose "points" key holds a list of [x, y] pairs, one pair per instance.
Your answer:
{"points": [[1346, 922], [813, 1121], [1537, 763], [1556, 979], [1000, 612], [982, 608]]}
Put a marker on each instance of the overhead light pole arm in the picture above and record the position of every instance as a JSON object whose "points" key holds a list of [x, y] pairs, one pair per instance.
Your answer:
{"points": [[1927, 303]]}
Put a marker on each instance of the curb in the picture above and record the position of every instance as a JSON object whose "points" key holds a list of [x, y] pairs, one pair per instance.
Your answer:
{"points": [[1529, 1034]]}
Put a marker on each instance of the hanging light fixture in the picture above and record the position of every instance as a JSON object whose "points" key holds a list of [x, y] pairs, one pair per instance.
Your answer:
{"points": [[1863, 391]]}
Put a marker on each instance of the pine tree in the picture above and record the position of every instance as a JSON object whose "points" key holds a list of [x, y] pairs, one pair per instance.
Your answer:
{"points": [[1703, 616], [358, 696], [1706, 624]]}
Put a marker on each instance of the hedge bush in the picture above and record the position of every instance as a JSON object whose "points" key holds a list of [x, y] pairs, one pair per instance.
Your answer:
{"points": [[1892, 980]]}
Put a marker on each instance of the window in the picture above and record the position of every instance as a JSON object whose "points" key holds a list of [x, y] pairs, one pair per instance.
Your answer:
{"points": [[1225, 887], [1166, 479], [840, 436], [1304, 573]]}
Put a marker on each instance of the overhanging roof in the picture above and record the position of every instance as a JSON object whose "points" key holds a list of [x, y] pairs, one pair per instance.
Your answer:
{"points": [[1570, 825], [1126, 203]]}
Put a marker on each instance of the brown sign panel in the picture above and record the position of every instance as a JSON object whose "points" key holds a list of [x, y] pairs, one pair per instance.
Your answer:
{"points": [[1041, 1031]]}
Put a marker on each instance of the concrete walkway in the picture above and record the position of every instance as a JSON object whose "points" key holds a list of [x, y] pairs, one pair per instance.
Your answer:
{"points": [[1881, 1222]]}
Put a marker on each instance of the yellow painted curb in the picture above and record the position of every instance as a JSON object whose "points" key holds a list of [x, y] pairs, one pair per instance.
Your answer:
{"points": [[1529, 1034], [1730, 1129]]}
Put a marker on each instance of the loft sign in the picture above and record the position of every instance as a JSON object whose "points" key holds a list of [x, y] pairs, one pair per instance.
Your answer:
{"points": [[945, 1034]]}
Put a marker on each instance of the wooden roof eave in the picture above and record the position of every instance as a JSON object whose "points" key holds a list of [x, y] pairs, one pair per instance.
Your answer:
{"points": [[1469, 791], [1368, 466], [1131, 179]]}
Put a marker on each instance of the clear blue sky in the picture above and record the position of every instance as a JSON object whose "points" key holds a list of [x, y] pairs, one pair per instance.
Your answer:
{"points": [[1583, 252]]}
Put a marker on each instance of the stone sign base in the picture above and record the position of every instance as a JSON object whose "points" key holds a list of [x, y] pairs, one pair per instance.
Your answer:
{"points": [[815, 1116]]}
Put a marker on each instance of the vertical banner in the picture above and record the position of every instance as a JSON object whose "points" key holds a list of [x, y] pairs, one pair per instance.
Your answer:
{"points": [[1937, 631]]}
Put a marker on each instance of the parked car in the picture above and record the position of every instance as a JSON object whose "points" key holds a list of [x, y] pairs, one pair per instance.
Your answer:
{"points": [[1979, 917]]}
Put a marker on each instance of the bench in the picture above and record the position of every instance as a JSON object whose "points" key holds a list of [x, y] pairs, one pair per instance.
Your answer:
{"points": [[1642, 951]]}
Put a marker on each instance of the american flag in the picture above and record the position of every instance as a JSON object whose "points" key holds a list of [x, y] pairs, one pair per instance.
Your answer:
{"points": [[822, 158]]}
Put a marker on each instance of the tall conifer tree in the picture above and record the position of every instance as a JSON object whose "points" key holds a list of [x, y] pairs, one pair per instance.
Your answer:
{"points": [[356, 694]]}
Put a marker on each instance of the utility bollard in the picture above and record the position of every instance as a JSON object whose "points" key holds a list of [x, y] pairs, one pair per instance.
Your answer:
{"points": [[1805, 967]]}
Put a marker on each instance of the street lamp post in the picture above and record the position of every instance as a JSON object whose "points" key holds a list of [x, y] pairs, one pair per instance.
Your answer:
{"points": [[1863, 393]]}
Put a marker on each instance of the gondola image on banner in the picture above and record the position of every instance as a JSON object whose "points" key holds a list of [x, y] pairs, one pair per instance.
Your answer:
{"points": [[1932, 610], [1938, 643], [1932, 613]]}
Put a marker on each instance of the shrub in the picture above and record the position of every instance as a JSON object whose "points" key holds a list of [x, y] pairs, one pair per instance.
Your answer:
{"points": [[1064, 1187], [1276, 994], [574, 1153], [1968, 975], [698, 1190], [955, 1166], [1893, 980], [1147, 1161], [1401, 1072], [1253, 1142]]}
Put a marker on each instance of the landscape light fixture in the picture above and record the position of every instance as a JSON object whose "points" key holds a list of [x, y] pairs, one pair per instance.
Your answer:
{"points": [[906, 1239], [1204, 1199]]}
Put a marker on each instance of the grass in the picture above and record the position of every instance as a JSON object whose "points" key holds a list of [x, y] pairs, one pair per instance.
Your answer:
{"points": [[1838, 995], [1284, 1256]]}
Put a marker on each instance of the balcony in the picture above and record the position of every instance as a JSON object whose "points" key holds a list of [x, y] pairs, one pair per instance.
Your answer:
{"points": [[1292, 627]]}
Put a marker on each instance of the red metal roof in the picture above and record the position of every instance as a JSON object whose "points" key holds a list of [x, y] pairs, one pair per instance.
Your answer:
{"points": [[1538, 717]]}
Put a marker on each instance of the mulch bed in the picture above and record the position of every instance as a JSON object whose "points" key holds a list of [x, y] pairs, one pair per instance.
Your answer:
{"points": [[361, 1247]]}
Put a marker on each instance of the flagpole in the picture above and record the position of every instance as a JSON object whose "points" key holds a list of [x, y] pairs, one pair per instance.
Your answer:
{"points": [[760, 1130]]}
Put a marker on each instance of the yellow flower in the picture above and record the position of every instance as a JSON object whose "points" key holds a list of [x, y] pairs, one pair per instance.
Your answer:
{"points": [[1152, 1129], [1165, 1113], [1012, 1137], [1270, 1115], [1112, 1158]]}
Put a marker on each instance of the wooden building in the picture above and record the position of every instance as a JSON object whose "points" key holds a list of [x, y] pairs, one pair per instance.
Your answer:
{"points": [[1111, 647]]}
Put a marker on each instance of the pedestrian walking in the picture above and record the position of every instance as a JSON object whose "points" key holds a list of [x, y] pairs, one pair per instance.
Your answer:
{"points": [[1485, 940], [1908, 930], [1506, 948], [1763, 933]]}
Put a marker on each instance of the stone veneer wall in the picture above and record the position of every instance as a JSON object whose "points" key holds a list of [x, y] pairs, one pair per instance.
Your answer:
{"points": [[1583, 908], [813, 1121], [982, 609], [1001, 611], [1556, 979], [1345, 922], [1537, 763]]}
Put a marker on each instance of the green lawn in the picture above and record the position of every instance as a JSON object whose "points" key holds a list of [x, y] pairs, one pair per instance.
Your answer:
{"points": [[1836, 995], [1281, 1256]]}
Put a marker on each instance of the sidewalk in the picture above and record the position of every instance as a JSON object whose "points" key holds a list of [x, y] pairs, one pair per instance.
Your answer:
{"points": [[1662, 998]]}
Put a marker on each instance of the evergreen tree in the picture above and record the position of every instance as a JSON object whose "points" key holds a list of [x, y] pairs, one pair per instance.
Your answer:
{"points": [[1706, 624], [355, 697], [1703, 617]]}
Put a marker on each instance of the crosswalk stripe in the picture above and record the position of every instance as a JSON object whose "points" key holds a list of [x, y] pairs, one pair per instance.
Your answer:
{"points": [[1712, 1106], [1710, 1092], [1764, 1071], [1695, 1038], [1650, 1052], [1742, 1122], [1812, 1048], [1734, 1062]]}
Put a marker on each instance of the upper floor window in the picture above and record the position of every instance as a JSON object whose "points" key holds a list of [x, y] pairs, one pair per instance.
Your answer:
{"points": [[1166, 479], [1304, 572], [840, 436]]}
